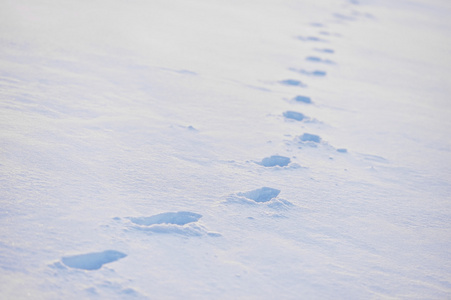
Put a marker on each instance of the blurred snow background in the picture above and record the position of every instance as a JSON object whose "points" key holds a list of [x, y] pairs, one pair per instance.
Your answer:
{"points": [[158, 149]]}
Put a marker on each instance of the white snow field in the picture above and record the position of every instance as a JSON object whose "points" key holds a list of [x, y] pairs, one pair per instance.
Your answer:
{"points": [[206, 149]]}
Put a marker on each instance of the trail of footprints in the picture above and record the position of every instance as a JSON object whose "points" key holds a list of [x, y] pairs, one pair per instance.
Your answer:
{"points": [[183, 222], [310, 139], [187, 223]]}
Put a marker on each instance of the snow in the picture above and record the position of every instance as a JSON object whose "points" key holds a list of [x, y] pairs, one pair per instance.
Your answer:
{"points": [[161, 149], [92, 261]]}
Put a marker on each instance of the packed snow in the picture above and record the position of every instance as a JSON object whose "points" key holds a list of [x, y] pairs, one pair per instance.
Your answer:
{"points": [[225, 149]]}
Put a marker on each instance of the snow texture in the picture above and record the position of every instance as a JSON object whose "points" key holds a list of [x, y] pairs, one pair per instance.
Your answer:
{"points": [[263, 194], [225, 149]]}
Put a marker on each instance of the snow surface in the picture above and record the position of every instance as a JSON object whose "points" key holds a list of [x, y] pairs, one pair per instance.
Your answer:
{"points": [[134, 137], [91, 261]]}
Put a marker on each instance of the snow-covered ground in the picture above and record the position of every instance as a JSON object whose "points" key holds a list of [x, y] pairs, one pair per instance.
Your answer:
{"points": [[196, 149]]}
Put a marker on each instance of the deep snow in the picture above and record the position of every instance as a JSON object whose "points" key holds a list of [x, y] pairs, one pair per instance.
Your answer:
{"points": [[162, 149]]}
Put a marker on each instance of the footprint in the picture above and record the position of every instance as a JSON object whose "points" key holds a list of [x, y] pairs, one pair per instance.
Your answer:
{"points": [[263, 194], [275, 160], [316, 73], [317, 59], [342, 150], [292, 82], [293, 115], [302, 99], [176, 218], [325, 50], [310, 39], [182, 222], [308, 137], [92, 261]]}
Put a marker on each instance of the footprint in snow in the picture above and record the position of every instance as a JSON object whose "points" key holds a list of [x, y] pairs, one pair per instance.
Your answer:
{"points": [[293, 115], [313, 140], [302, 99], [317, 59], [292, 82], [310, 138], [182, 222], [311, 39], [176, 218], [307, 139], [92, 261], [325, 50], [275, 160], [315, 73], [262, 196]]}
